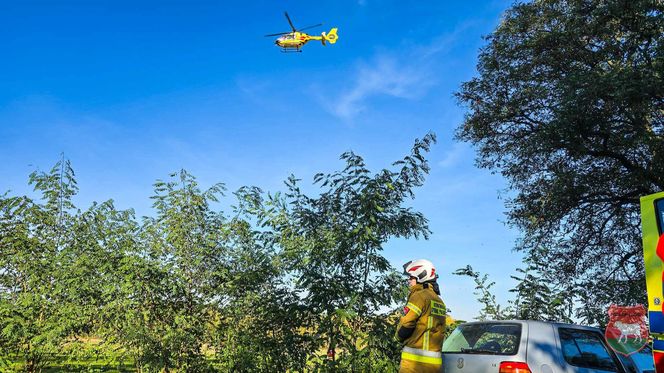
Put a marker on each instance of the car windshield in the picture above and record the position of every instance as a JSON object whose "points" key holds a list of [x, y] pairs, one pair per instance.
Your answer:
{"points": [[484, 338]]}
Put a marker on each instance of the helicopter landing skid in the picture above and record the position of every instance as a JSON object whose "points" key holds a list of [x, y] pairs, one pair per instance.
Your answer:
{"points": [[291, 50]]}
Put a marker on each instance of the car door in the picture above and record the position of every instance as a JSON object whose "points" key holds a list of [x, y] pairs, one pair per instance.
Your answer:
{"points": [[585, 351]]}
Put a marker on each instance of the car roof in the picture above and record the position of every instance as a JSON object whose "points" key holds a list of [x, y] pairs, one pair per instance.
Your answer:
{"points": [[533, 322]]}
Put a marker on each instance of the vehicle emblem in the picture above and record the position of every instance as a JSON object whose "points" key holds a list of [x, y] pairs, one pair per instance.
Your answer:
{"points": [[460, 363], [627, 331]]}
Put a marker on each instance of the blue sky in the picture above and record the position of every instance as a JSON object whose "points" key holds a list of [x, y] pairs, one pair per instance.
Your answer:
{"points": [[131, 91]]}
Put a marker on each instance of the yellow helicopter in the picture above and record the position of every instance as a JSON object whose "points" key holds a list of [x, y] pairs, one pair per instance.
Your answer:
{"points": [[292, 41]]}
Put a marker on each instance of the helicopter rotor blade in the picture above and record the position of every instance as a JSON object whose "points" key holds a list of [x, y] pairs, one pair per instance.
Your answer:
{"points": [[279, 33], [308, 27], [290, 22]]}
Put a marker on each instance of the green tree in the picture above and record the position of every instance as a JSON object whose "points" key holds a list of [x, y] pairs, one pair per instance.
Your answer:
{"points": [[57, 268], [331, 244], [166, 284], [262, 321], [534, 297], [568, 105], [33, 236], [86, 277], [491, 309]]}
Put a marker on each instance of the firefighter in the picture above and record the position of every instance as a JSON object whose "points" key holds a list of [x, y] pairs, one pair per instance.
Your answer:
{"points": [[421, 329]]}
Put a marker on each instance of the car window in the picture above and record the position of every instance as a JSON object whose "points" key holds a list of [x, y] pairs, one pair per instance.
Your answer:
{"points": [[628, 363], [489, 338], [639, 362], [586, 349]]}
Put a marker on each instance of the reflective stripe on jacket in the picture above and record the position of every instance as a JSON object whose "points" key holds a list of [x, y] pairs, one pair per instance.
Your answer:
{"points": [[421, 356]]}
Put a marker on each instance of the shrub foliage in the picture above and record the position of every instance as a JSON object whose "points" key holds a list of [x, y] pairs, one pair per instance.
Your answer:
{"points": [[281, 282]]}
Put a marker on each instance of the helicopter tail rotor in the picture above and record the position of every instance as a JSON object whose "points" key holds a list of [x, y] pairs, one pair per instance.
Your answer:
{"points": [[330, 36]]}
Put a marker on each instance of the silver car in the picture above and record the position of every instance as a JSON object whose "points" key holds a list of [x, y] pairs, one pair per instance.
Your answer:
{"points": [[535, 347]]}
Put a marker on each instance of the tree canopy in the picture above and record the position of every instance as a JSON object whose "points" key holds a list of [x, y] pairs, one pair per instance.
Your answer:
{"points": [[568, 105], [272, 285]]}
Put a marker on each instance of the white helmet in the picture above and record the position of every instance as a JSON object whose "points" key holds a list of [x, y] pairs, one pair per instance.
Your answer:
{"points": [[422, 269]]}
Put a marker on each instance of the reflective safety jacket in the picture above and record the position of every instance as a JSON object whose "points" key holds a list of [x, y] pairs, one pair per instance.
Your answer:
{"points": [[421, 330]]}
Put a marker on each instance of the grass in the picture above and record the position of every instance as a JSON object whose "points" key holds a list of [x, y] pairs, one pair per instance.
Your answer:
{"points": [[65, 363]]}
